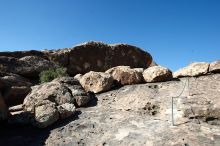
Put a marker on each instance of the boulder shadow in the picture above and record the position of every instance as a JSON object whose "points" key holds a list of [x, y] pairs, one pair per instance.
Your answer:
{"points": [[27, 135]]}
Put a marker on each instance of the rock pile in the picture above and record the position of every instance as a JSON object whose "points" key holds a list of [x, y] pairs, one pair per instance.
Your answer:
{"points": [[57, 99]]}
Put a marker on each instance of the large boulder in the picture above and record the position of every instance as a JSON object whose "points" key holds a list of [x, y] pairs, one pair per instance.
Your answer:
{"points": [[125, 75], [215, 67], [50, 101], [46, 113], [157, 74], [14, 88], [89, 56], [3, 109], [194, 69], [80, 96], [28, 66], [96, 81], [97, 56]]}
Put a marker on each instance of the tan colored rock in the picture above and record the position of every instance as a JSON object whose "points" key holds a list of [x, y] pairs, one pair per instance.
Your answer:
{"points": [[194, 69], [157, 74], [78, 77], [57, 98], [125, 75], [215, 67], [16, 108], [46, 114], [51, 91], [66, 110], [96, 81], [3, 109]]}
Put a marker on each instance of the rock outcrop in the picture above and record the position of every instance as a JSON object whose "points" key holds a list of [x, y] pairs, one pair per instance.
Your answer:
{"points": [[28, 66], [89, 56], [96, 81], [194, 69], [96, 56], [50, 101], [157, 74], [215, 67], [14, 88], [125, 75]]}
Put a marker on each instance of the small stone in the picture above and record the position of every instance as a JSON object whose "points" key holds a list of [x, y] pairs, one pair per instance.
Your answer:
{"points": [[66, 110]]}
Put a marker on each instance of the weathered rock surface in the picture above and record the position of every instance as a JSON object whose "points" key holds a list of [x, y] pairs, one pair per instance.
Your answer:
{"points": [[96, 81], [3, 109], [14, 88], [80, 96], [138, 115], [141, 115], [78, 77], [89, 56], [125, 75], [66, 110], [157, 74], [28, 66], [215, 67], [194, 69], [50, 101], [46, 113], [96, 56]]}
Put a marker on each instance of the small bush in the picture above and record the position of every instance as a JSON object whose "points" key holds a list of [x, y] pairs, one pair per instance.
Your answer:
{"points": [[50, 74]]}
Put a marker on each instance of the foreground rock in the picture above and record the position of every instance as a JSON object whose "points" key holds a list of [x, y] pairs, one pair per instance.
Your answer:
{"points": [[137, 115], [50, 101], [215, 67], [96, 81], [157, 74], [14, 88], [141, 115], [28, 66], [125, 75], [96, 56], [194, 69]]}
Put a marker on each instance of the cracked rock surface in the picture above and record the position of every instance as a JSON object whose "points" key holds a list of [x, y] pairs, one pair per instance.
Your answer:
{"points": [[141, 115]]}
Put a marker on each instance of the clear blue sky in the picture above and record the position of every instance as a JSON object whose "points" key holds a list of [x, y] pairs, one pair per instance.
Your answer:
{"points": [[175, 32]]}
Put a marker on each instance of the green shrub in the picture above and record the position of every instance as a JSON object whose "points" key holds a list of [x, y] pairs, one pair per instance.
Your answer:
{"points": [[50, 74]]}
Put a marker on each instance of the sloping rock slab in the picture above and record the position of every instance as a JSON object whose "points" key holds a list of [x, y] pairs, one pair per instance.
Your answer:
{"points": [[194, 69]]}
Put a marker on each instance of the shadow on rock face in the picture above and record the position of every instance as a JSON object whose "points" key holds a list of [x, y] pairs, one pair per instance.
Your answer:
{"points": [[93, 100], [11, 135]]}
